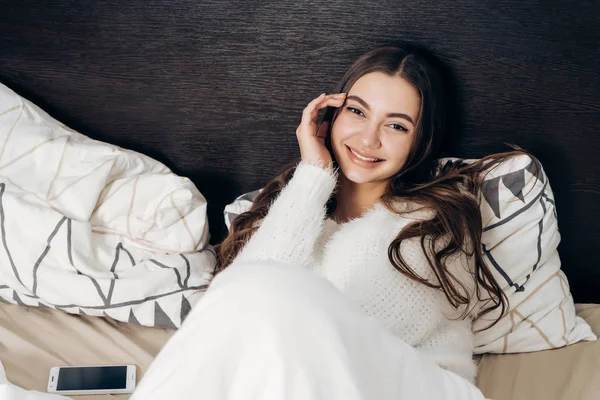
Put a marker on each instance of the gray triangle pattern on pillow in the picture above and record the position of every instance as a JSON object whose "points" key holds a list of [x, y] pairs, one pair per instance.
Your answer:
{"points": [[161, 319], [132, 317], [186, 307], [515, 182]]}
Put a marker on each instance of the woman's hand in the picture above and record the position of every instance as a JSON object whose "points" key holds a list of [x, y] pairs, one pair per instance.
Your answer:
{"points": [[312, 143]]}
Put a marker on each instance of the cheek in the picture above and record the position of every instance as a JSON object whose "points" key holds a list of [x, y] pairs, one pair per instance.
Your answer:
{"points": [[342, 129], [398, 147]]}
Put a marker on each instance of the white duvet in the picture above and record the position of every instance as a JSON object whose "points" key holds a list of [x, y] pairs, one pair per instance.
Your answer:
{"points": [[8, 391], [271, 331], [88, 227]]}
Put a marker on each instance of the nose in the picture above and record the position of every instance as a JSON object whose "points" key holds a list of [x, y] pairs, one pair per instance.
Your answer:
{"points": [[370, 137]]}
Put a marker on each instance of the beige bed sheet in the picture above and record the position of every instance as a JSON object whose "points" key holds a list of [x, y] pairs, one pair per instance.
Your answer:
{"points": [[32, 340], [569, 373]]}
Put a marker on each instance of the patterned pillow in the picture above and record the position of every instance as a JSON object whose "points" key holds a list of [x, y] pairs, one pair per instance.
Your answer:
{"points": [[520, 241], [91, 228]]}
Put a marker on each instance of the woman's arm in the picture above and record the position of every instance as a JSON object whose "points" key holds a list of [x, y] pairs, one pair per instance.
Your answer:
{"points": [[289, 231]]}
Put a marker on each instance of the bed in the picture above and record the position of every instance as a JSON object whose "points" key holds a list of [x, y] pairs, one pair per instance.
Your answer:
{"points": [[214, 90], [34, 340]]}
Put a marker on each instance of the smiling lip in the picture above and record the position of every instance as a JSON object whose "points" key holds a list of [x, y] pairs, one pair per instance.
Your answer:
{"points": [[362, 163]]}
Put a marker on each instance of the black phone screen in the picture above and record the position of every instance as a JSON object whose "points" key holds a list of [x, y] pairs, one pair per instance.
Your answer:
{"points": [[92, 378]]}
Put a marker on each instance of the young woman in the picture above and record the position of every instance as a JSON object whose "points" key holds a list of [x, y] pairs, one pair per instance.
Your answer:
{"points": [[396, 239]]}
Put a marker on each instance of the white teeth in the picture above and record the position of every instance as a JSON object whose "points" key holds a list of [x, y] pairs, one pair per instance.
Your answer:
{"points": [[363, 158]]}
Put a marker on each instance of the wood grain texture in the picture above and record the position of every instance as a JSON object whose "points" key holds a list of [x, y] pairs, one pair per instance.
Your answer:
{"points": [[215, 89]]}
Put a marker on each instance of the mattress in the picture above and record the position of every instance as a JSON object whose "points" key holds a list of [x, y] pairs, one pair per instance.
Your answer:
{"points": [[32, 340], [569, 373]]}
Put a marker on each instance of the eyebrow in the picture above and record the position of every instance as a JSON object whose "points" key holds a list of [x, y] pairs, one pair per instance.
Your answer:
{"points": [[366, 105]]}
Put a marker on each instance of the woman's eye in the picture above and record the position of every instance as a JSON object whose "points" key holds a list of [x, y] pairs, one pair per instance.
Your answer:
{"points": [[398, 127], [354, 110]]}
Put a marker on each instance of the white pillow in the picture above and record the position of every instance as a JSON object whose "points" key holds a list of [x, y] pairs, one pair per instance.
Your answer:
{"points": [[91, 228], [520, 242]]}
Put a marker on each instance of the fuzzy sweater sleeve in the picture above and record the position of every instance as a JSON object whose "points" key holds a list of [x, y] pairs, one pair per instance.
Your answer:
{"points": [[294, 221]]}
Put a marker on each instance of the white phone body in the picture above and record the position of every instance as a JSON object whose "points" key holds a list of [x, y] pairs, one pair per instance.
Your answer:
{"points": [[92, 379]]}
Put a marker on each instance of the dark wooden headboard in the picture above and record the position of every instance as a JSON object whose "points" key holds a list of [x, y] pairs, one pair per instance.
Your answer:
{"points": [[214, 89]]}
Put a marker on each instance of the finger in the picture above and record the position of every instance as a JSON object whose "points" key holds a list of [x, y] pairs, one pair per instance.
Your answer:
{"points": [[328, 101], [309, 116], [324, 98], [311, 106], [332, 95], [333, 102], [316, 100], [336, 96]]}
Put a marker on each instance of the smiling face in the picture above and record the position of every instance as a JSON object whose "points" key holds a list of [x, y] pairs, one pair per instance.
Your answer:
{"points": [[374, 131]]}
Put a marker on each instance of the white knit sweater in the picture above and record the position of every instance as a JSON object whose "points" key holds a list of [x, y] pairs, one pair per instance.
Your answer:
{"points": [[354, 257]]}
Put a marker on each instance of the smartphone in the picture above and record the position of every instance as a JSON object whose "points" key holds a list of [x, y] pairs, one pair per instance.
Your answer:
{"points": [[92, 379]]}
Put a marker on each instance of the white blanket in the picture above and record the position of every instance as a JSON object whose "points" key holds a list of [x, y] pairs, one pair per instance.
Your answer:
{"points": [[88, 227], [8, 391], [266, 330]]}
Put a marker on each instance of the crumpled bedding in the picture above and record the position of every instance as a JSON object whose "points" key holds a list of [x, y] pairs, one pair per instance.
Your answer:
{"points": [[91, 228]]}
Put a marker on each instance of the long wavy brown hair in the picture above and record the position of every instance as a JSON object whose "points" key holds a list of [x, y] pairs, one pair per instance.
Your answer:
{"points": [[451, 191]]}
